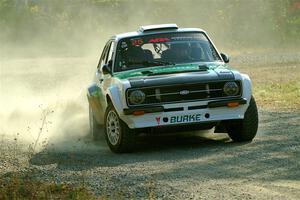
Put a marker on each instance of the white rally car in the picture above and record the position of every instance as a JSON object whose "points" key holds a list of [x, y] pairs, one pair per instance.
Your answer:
{"points": [[163, 76]]}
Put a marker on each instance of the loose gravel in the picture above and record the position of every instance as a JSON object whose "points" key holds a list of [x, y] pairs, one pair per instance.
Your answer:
{"points": [[176, 167]]}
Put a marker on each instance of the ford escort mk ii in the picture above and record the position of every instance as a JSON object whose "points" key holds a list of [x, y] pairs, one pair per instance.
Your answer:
{"points": [[162, 76]]}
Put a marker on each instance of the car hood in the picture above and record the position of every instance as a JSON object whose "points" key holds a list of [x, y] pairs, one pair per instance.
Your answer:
{"points": [[178, 74]]}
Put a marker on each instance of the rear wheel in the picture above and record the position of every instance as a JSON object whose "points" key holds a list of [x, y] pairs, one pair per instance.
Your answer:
{"points": [[95, 128], [120, 138], [244, 129]]}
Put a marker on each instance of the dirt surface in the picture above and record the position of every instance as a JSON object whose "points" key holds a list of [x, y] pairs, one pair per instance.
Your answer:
{"points": [[44, 136]]}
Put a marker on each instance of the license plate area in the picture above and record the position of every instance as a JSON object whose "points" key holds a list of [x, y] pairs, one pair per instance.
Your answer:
{"points": [[181, 118]]}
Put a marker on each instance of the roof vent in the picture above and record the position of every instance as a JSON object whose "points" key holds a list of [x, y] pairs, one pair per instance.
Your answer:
{"points": [[160, 27]]}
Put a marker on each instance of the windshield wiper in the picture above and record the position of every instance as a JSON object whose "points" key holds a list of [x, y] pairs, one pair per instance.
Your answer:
{"points": [[203, 67], [174, 72], [153, 63], [147, 72], [164, 63]]}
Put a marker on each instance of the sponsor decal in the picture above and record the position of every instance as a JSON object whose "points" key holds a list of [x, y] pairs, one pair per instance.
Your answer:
{"points": [[184, 92], [157, 120], [179, 119], [155, 40], [137, 42], [183, 38], [185, 118], [94, 91]]}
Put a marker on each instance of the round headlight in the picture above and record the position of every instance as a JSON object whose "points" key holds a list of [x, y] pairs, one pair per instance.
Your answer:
{"points": [[231, 89], [137, 97]]}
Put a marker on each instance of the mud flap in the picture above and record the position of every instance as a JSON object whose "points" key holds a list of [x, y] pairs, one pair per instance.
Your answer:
{"points": [[94, 95]]}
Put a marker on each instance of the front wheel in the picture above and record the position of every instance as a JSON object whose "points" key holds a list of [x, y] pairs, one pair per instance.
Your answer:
{"points": [[245, 129], [120, 138]]}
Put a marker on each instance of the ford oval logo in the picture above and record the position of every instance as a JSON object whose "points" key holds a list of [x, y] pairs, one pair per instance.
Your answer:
{"points": [[184, 92]]}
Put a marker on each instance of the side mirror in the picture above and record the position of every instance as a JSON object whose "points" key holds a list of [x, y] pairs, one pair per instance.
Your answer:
{"points": [[106, 69], [225, 57]]}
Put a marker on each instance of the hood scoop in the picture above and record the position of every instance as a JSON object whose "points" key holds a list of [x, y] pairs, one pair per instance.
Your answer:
{"points": [[201, 68], [224, 73], [182, 78]]}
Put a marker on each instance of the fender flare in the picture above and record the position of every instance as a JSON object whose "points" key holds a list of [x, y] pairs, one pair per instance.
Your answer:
{"points": [[247, 87], [114, 94]]}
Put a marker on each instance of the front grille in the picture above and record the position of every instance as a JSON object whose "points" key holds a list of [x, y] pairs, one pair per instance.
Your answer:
{"points": [[182, 93]]}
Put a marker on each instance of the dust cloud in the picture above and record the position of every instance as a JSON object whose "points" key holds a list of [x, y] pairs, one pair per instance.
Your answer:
{"points": [[49, 51], [43, 100]]}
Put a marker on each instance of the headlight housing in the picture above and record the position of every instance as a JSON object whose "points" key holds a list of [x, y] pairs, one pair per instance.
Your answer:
{"points": [[136, 97], [231, 89]]}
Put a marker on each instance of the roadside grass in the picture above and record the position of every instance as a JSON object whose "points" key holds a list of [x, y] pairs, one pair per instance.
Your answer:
{"points": [[278, 96], [276, 87], [17, 187]]}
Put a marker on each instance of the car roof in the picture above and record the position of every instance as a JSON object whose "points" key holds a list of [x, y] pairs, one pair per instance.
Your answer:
{"points": [[155, 31]]}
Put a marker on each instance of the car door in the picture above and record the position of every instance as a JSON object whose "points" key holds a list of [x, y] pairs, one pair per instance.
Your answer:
{"points": [[102, 61], [104, 80], [107, 78], [96, 96]]}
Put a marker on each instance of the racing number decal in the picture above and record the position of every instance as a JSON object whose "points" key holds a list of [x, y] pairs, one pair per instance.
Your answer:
{"points": [[137, 42]]}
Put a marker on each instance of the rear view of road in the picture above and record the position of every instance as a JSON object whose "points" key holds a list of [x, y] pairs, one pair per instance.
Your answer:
{"points": [[173, 166]]}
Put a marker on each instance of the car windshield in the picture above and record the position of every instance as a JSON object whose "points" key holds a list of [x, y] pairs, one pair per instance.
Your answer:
{"points": [[164, 49]]}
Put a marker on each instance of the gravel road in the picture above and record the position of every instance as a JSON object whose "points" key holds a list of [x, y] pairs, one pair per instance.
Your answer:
{"points": [[175, 166]]}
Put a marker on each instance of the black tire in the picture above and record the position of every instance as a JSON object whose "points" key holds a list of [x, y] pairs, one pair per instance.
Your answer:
{"points": [[127, 137], [244, 130], [96, 129]]}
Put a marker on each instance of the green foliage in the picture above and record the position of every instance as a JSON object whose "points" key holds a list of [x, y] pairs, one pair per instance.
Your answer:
{"points": [[72, 23]]}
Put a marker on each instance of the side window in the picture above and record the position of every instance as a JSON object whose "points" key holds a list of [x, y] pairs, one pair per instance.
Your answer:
{"points": [[103, 58], [110, 53]]}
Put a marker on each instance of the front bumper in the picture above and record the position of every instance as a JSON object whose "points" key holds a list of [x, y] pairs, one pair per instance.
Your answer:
{"points": [[184, 113]]}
